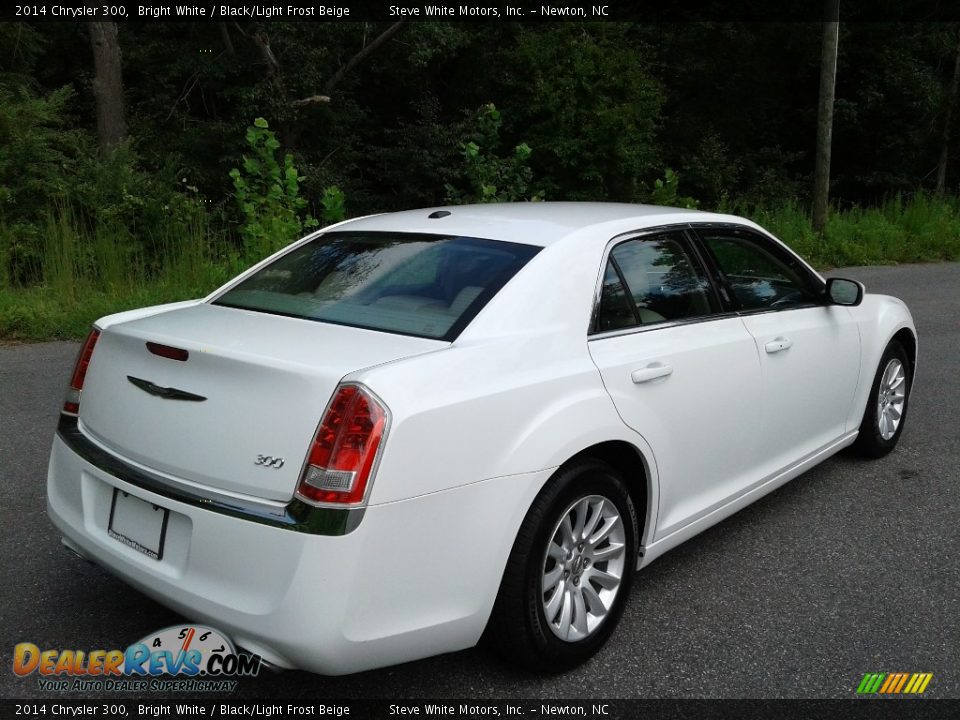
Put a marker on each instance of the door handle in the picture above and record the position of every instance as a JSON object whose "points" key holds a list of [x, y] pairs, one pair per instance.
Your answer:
{"points": [[651, 372], [778, 344]]}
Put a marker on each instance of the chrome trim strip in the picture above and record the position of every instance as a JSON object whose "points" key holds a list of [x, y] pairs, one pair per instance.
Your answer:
{"points": [[295, 515], [662, 325]]}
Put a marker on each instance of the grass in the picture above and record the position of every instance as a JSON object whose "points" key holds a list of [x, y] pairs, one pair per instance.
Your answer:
{"points": [[922, 228], [39, 313], [84, 273]]}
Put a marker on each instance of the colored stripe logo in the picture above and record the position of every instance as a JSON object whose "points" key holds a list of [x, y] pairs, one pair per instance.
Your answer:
{"points": [[894, 683]]}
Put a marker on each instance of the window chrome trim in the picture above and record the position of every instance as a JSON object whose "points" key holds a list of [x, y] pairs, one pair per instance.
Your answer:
{"points": [[294, 515], [663, 325]]}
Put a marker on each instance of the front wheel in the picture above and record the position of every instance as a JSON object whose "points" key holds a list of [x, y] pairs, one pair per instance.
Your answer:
{"points": [[886, 410], [570, 570]]}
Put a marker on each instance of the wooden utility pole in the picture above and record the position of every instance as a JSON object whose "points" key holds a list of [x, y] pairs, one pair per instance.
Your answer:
{"points": [[828, 82], [107, 85]]}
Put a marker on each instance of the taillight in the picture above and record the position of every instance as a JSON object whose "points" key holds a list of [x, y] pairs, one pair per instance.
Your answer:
{"points": [[71, 402], [344, 449]]}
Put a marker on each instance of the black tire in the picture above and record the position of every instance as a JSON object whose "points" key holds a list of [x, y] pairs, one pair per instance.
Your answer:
{"points": [[518, 629], [870, 442]]}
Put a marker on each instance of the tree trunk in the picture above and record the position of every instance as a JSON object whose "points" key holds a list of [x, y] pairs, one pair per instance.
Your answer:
{"points": [[225, 37], [107, 85], [361, 56], [949, 102], [828, 81]]}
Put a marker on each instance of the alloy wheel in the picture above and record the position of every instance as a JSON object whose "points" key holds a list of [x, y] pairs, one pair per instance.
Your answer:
{"points": [[890, 399], [583, 566]]}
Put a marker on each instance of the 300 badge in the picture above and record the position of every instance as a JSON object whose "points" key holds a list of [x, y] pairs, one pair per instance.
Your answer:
{"points": [[188, 650]]}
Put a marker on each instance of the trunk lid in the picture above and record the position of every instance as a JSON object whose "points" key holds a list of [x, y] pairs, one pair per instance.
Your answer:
{"points": [[266, 380]]}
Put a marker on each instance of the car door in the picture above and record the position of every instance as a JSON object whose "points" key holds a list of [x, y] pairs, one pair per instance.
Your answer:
{"points": [[682, 373], [809, 350]]}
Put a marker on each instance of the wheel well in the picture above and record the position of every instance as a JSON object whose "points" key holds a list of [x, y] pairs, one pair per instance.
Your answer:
{"points": [[628, 461], [909, 342]]}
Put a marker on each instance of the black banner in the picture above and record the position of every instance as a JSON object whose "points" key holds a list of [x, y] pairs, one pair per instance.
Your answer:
{"points": [[477, 11], [473, 709]]}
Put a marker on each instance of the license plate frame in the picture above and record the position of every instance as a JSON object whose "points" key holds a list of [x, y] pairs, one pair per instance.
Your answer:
{"points": [[138, 524]]}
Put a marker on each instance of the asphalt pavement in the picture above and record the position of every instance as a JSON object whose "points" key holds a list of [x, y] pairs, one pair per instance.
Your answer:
{"points": [[851, 568]]}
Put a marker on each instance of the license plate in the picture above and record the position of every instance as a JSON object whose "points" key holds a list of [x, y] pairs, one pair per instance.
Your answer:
{"points": [[138, 524]]}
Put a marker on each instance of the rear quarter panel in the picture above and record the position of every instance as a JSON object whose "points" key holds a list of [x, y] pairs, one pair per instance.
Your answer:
{"points": [[516, 393], [507, 407]]}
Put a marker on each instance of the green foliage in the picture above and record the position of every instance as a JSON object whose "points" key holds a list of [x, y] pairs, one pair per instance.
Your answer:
{"points": [[89, 271], [38, 155], [583, 97], [33, 135], [45, 165], [333, 204], [730, 106], [489, 177], [789, 221], [920, 228], [606, 107], [23, 46], [711, 169], [739, 106], [666, 191], [268, 194], [415, 162]]}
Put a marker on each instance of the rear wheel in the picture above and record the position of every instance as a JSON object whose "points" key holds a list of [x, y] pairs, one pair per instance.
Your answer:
{"points": [[886, 410], [569, 572]]}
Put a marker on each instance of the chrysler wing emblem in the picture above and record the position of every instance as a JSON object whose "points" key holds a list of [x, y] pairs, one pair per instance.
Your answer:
{"points": [[167, 393]]}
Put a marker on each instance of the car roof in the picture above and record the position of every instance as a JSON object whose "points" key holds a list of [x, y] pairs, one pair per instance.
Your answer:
{"points": [[532, 223]]}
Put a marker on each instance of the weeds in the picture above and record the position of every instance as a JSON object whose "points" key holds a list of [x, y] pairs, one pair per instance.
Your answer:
{"points": [[87, 272], [921, 228]]}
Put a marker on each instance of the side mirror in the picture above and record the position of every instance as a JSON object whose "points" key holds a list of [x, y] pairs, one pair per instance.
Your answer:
{"points": [[841, 291]]}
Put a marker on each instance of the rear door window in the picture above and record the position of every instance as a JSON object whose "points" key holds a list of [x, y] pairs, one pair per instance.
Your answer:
{"points": [[650, 280]]}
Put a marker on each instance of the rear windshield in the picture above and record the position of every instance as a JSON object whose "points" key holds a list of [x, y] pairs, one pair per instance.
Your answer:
{"points": [[412, 284]]}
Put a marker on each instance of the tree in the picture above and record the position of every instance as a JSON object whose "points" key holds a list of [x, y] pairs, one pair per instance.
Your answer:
{"points": [[828, 81], [108, 85], [949, 101], [583, 96], [491, 177]]}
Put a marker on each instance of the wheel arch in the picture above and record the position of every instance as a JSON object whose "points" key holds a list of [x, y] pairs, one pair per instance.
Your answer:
{"points": [[638, 474], [512, 627], [908, 339], [881, 319]]}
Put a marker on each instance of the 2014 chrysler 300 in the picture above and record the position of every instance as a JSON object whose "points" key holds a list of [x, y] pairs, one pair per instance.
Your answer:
{"points": [[410, 431]]}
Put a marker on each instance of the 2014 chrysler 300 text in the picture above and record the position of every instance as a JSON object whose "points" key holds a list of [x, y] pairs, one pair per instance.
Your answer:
{"points": [[410, 431]]}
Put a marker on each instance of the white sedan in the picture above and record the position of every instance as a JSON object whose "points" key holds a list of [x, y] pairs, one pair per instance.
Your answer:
{"points": [[408, 432]]}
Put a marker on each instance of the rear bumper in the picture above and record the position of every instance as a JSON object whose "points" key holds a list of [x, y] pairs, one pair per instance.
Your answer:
{"points": [[417, 577], [294, 515]]}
